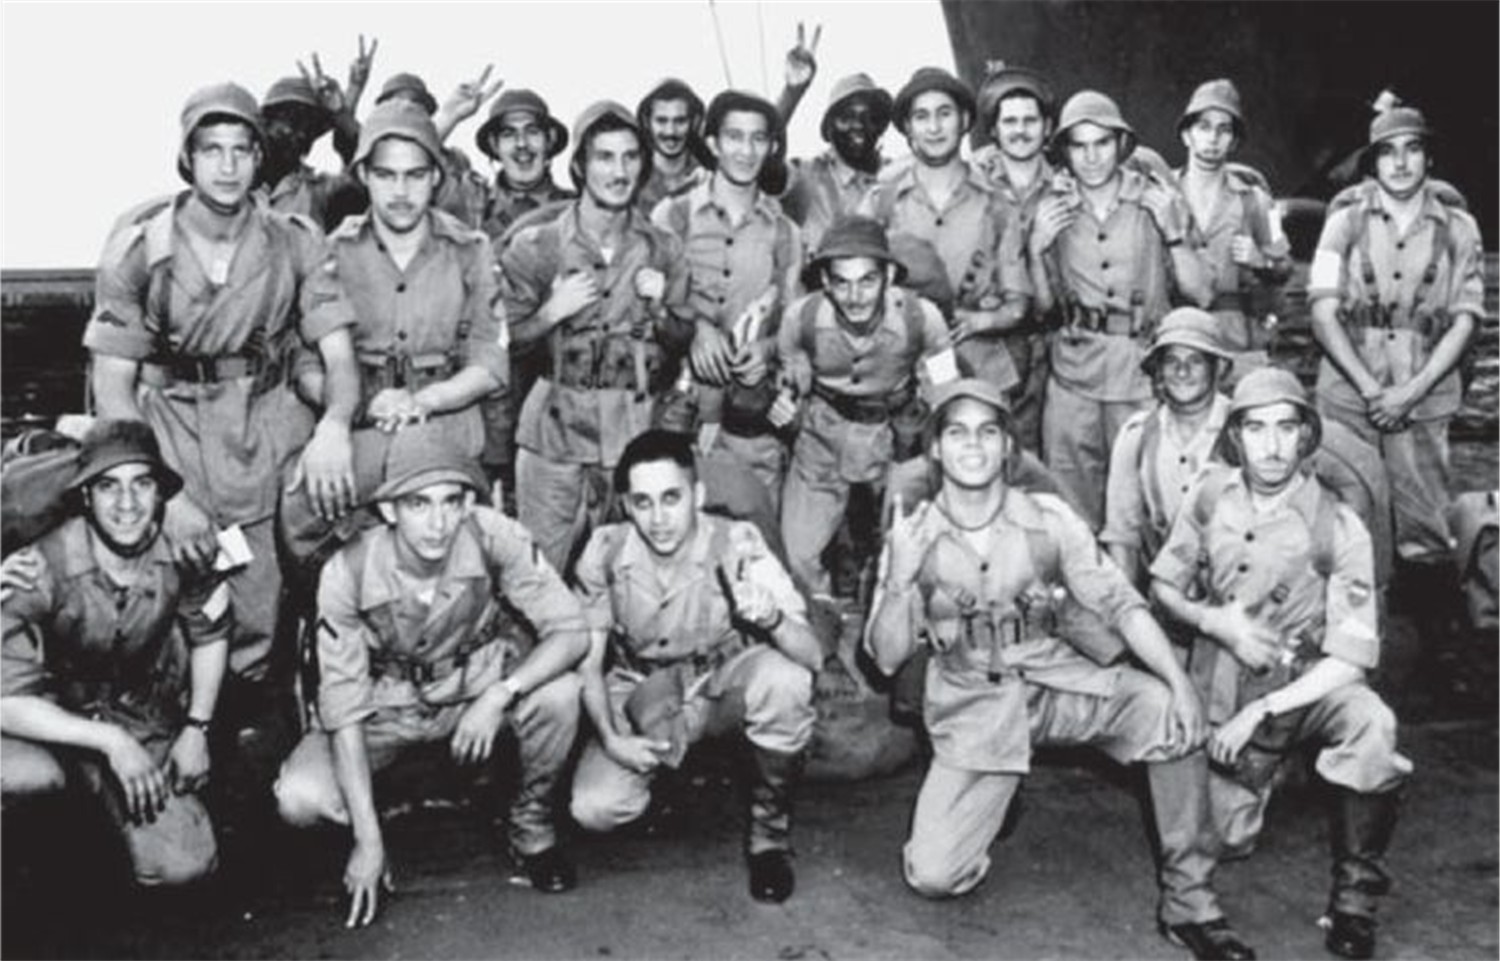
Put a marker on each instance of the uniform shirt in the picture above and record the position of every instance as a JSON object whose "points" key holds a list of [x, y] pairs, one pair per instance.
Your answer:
{"points": [[79, 640], [324, 198], [1145, 493], [591, 425], [1034, 546], [416, 313], [1103, 265], [880, 364], [671, 609], [823, 189], [1399, 260], [661, 184], [1018, 203], [504, 204], [1244, 555], [153, 298], [368, 602], [731, 265]]}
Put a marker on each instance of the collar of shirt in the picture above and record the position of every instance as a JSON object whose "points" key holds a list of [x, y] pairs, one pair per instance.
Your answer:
{"points": [[994, 165], [973, 181], [291, 183], [1018, 509], [890, 327], [570, 231], [1431, 206], [381, 582], [1218, 412], [81, 547], [636, 554], [1301, 497], [701, 198], [542, 190], [843, 174]]}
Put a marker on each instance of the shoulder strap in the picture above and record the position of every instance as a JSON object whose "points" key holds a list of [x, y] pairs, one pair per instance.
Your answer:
{"points": [[1145, 464], [807, 321], [1324, 520]]}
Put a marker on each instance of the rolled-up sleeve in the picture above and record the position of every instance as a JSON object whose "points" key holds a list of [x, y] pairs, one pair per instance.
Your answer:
{"points": [[1090, 576], [119, 326], [324, 307], [344, 686], [487, 341], [23, 671], [592, 580], [1124, 506], [528, 581]]}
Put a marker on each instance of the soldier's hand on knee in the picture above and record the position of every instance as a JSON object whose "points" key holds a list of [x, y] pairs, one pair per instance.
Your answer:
{"points": [[639, 754], [327, 469], [188, 762], [1230, 738], [1187, 726], [364, 876], [143, 782], [474, 736]]}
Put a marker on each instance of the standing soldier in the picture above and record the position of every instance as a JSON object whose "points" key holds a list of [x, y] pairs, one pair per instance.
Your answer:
{"points": [[1161, 449], [696, 630], [1109, 250], [980, 574], [940, 199], [1277, 579], [671, 118], [852, 351], [420, 285], [296, 117], [522, 136], [1396, 289], [408, 655], [1016, 111], [837, 182], [200, 300], [744, 260], [94, 661], [604, 289], [1239, 234]]}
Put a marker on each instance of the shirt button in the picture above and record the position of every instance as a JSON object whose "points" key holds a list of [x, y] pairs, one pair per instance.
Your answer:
{"points": [[400, 288], [665, 603], [727, 271], [1184, 488], [1103, 237], [400, 335], [853, 378], [1400, 245], [729, 241], [1182, 460], [939, 221], [721, 300], [1243, 568], [662, 643], [984, 567], [1110, 292], [1391, 335], [1396, 275], [1249, 535], [1104, 266]]}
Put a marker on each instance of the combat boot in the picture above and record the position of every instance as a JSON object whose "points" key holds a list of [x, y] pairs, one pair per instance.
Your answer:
{"points": [[1362, 825], [769, 847]]}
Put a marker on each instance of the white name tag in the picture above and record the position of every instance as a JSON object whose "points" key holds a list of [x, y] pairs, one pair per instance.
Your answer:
{"points": [[942, 367], [234, 550]]}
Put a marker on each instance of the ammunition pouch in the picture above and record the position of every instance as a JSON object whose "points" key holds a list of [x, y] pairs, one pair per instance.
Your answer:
{"points": [[1430, 324], [1103, 320], [165, 371], [744, 409], [412, 372], [606, 362], [419, 670], [974, 642], [864, 410]]}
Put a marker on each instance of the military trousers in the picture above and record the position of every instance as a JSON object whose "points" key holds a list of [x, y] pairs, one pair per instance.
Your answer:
{"points": [[1357, 735], [959, 812], [175, 847], [760, 691], [1028, 353], [560, 503], [1077, 435], [544, 724]]}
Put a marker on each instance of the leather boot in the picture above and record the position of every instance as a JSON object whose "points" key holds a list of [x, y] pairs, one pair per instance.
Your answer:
{"points": [[1362, 825], [769, 847]]}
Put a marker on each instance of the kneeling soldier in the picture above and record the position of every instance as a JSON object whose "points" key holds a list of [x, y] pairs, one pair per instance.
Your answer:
{"points": [[95, 669], [1266, 566], [407, 656], [705, 633], [1012, 593]]}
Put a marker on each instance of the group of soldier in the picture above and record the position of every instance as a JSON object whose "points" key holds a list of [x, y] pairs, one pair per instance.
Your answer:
{"points": [[453, 439]]}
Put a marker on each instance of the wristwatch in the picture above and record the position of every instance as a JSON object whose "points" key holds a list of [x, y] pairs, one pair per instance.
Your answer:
{"points": [[201, 724]]}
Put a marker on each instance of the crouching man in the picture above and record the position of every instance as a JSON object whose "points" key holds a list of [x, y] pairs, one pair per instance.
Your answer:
{"points": [[95, 668], [1277, 579], [408, 655], [696, 630], [1012, 594]]}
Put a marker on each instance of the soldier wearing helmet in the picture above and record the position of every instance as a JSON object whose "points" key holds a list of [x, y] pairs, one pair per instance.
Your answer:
{"points": [[744, 257], [1017, 109], [854, 351], [1234, 222], [604, 291], [412, 648], [1396, 291], [95, 677], [670, 116], [836, 182], [522, 137], [1109, 251], [421, 285], [1161, 449], [940, 200], [1276, 579], [200, 301], [997, 582], [295, 118]]}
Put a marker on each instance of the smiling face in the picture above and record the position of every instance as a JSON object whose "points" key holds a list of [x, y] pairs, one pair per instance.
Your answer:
{"points": [[935, 127], [971, 445], [123, 501], [1186, 376], [662, 504], [741, 145], [1021, 130], [1093, 153], [856, 285], [1401, 165], [401, 178], [854, 131], [612, 168], [223, 159], [1210, 138], [520, 141], [671, 122]]}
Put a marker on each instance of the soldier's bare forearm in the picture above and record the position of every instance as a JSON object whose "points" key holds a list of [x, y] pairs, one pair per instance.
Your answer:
{"points": [[206, 674], [340, 379], [113, 383], [1334, 339], [351, 767], [38, 719], [1326, 675], [458, 391], [1147, 642], [1445, 356]]}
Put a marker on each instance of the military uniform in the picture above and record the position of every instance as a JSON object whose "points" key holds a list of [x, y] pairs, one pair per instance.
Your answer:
{"points": [[1112, 283], [1320, 597], [663, 185], [324, 198], [1009, 672], [674, 640], [213, 374], [504, 204], [823, 189], [603, 373], [1397, 295], [860, 384], [730, 266], [119, 655], [979, 247], [407, 665]]}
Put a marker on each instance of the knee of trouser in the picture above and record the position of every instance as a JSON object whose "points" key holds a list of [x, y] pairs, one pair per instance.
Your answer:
{"points": [[932, 876], [557, 701], [598, 812], [297, 800], [29, 770], [779, 713], [185, 868]]}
